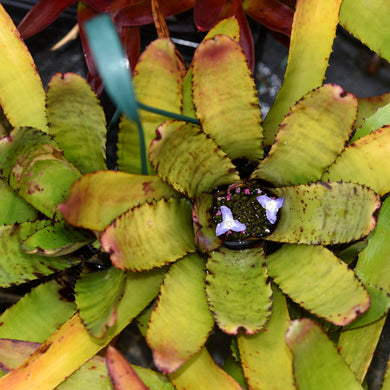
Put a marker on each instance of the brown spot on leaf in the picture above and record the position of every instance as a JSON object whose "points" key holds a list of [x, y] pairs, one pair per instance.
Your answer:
{"points": [[147, 187]]}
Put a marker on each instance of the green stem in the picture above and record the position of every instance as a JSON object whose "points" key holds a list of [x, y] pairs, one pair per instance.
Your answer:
{"points": [[168, 113], [141, 136], [142, 147]]}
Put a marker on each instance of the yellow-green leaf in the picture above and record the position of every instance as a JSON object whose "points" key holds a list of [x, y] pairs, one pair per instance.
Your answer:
{"points": [[357, 346], [36, 169], [182, 301], [325, 213], [201, 372], [97, 295], [323, 114], [158, 83], [22, 96], [312, 35], [74, 343], [229, 112], [238, 289], [77, 121], [18, 267], [98, 198], [367, 21], [44, 309], [369, 106], [188, 160], [57, 239], [13, 207], [379, 306], [165, 224], [366, 161], [265, 357], [305, 273], [317, 364]]}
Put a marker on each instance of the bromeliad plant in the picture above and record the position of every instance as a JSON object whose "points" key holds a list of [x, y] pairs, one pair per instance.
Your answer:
{"points": [[228, 201], [215, 222]]}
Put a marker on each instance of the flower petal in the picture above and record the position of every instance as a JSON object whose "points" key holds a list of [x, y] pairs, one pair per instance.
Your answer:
{"points": [[228, 223], [150, 235], [172, 341], [235, 277], [183, 156], [271, 205]]}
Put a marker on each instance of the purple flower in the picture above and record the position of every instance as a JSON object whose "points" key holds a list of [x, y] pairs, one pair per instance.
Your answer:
{"points": [[271, 205], [228, 223]]}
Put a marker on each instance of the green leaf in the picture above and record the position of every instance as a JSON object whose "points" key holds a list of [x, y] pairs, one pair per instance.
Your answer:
{"points": [[77, 121], [57, 239], [182, 301], [188, 160], [325, 113], [35, 168], [201, 372], [237, 289], [91, 374], [266, 359], [227, 26], [96, 295], [357, 347], [44, 309], [369, 106], [114, 68], [305, 273], [74, 343], [22, 96], [324, 213], [14, 209], [98, 198], [228, 112], [188, 105], [312, 35], [317, 364], [166, 224], [379, 306], [380, 118], [232, 366], [362, 19], [365, 162], [373, 266], [17, 267], [157, 83], [386, 380], [112, 63]]}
